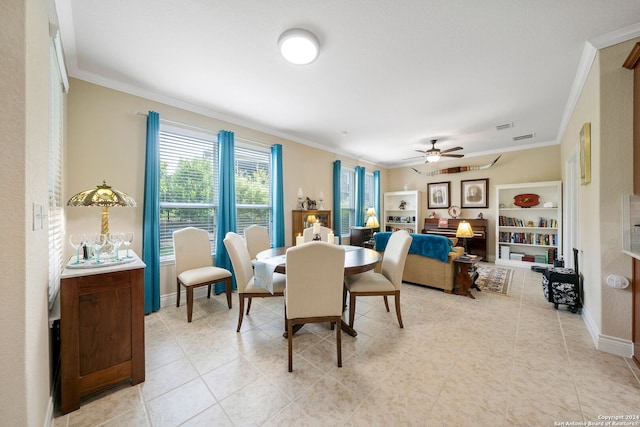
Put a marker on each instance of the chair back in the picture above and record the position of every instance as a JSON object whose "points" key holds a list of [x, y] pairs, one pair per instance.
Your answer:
{"points": [[240, 259], [395, 256], [307, 234], [192, 249], [315, 275], [257, 239]]}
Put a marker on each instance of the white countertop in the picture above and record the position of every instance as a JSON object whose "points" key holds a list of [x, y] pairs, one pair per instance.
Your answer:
{"points": [[86, 269]]}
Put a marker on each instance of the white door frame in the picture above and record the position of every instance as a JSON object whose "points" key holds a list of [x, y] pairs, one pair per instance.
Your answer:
{"points": [[570, 209]]}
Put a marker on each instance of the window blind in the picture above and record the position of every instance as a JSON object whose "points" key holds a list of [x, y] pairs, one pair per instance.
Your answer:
{"points": [[253, 187], [347, 200]]}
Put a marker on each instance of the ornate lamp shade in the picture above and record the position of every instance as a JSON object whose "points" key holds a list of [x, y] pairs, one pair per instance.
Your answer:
{"points": [[105, 197], [372, 220], [464, 231]]}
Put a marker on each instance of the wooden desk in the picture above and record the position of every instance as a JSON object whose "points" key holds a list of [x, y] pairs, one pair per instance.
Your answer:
{"points": [[356, 260], [101, 329]]}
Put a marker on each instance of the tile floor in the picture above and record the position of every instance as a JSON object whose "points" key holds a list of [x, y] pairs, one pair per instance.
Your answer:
{"points": [[493, 361]]}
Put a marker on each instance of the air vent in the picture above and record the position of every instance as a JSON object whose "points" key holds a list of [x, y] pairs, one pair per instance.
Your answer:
{"points": [[521, 137], [504, 126]]}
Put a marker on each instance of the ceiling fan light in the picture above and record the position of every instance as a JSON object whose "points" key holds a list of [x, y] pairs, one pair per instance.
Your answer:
{"points": [[299, 46], [433, 157]]}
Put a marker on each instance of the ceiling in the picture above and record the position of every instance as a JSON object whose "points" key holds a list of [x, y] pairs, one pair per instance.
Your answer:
{"points": [[391, 75]]}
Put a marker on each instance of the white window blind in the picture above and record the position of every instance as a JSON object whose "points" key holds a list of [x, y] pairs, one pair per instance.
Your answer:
{"points": [[55, 208], [253, 187], [188, 179], [368, 191], [347, 200]]}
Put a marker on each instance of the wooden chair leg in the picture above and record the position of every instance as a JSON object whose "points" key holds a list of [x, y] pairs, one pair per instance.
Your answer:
{"points": [[398, 310], [228, 290], [178, 293], [290, 343], [209, 291], [248, 305], [241, 303], [352, 309], [339, 345], [189, 303], [386, 302]]}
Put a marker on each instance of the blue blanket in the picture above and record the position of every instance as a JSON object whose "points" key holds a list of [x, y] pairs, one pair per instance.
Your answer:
{"points": [[429, 245]]}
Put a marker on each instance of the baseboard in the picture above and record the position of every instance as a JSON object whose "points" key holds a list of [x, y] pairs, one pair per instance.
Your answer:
{"points": [[608, 344]]}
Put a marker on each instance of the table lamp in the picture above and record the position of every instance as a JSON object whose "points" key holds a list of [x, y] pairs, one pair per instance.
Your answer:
{"points": [[464, 232], [372, 221], [105, 197]]}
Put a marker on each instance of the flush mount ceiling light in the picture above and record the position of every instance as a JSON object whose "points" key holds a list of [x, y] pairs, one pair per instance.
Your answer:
{"points": [[299, 46]]}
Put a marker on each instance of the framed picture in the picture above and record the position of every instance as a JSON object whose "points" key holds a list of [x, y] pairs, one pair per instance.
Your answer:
{"points": [[585, 154], [438, 193], [475, 193]]}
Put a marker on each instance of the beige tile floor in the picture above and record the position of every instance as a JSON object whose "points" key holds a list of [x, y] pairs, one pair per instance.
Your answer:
{"points": [[494, 361]]}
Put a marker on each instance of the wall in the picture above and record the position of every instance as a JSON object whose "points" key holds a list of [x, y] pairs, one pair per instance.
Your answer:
{"points": [[24, 55], [606, 102], [534, 165], [106, 138]]}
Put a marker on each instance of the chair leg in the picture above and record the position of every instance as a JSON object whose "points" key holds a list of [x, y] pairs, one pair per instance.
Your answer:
{"points": [[241, 303], [386, 302], [398, 309], [178, 293], [248, 305], [228, 290], [209, 291], [352, 308], [290, 343], [189, 303], [339, 345]]}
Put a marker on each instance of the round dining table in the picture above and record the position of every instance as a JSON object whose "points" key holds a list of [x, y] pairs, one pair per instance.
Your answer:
{"points": [[356, 260]]}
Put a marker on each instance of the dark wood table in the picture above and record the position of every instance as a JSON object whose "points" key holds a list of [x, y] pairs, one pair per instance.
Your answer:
{"points": [[467, 275], [356, 260]]}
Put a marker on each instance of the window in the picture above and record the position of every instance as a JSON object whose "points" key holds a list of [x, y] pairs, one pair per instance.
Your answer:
{"points": [[56, 209], [189, 185], [368, 191], [347, 200]]}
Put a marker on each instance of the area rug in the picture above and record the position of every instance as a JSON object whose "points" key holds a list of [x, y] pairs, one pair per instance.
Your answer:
{"points": [[494, 279]]}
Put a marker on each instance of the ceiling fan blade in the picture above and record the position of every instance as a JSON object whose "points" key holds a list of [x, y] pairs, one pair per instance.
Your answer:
{"points": [[451, 149], [416, 157], [452, 155], [421, 151]]}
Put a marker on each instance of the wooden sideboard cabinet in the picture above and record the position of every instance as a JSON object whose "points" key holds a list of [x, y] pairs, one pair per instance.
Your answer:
{"points": [[362, 236], [300, 220], [101, 329]]}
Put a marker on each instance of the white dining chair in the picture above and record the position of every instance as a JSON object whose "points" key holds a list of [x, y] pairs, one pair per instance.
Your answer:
{"points": [[257, 239], [243, 271], [386, 283], [194, 265], [314, 289], [307, 234]]}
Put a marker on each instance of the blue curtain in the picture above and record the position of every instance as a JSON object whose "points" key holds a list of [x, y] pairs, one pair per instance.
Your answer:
{"points": [[277, 197], [226, 201], [376, 194], [151, 216], [360, 209], [337, 171]]}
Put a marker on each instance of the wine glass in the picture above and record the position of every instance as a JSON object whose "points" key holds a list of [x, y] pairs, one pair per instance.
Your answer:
{"points": [[77, 241], [127, 239], [116, 240], [97, 242]]}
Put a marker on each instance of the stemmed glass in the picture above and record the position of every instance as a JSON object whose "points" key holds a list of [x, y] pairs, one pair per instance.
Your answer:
{"points": [[116, 240], [127, 239], [97, 243], [77, 241]]}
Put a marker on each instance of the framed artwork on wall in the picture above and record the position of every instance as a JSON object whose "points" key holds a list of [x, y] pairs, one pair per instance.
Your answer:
{"points": [[585, 154], [438, 194], [475, 193]]}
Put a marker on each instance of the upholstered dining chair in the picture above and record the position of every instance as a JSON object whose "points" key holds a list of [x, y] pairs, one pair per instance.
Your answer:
{"points": [[386, 283], [314, 289], [243, 270], [257, 239], [307, 234], [194, 265]]}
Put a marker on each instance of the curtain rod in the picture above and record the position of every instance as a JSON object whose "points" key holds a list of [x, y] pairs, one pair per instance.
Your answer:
{"points": [[213, 131]]}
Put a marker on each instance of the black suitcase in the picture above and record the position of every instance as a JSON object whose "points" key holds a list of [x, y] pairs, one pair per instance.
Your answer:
{"points": [[562, 285]]}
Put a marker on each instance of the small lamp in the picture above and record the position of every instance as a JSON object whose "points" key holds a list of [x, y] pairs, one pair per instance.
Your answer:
{"points": [[372, 221], [464, 232], [105, 197], [311, 219]]}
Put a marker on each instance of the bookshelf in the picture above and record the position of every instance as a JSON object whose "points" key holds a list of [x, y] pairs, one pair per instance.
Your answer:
{"points": [[395, 218], [529, 234]]}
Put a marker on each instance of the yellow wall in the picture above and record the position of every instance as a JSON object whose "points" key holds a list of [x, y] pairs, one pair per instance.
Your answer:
{"points": [[106, 138], [24, 89]]}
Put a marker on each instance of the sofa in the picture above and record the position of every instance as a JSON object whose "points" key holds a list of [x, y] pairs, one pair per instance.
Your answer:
{"points": [[429, 261]]}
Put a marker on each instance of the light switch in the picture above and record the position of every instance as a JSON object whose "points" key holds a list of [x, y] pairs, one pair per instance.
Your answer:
{"points": [[38, 216]]}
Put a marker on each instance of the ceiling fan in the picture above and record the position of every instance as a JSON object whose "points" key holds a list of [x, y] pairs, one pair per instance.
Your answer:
{"points": [[433, 154]]}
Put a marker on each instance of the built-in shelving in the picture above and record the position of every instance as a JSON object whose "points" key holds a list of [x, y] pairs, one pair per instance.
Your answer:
{"points": [[402, 216]]}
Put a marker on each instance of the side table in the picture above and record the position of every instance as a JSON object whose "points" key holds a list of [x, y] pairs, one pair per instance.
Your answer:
{"points": [[467, 275]]}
